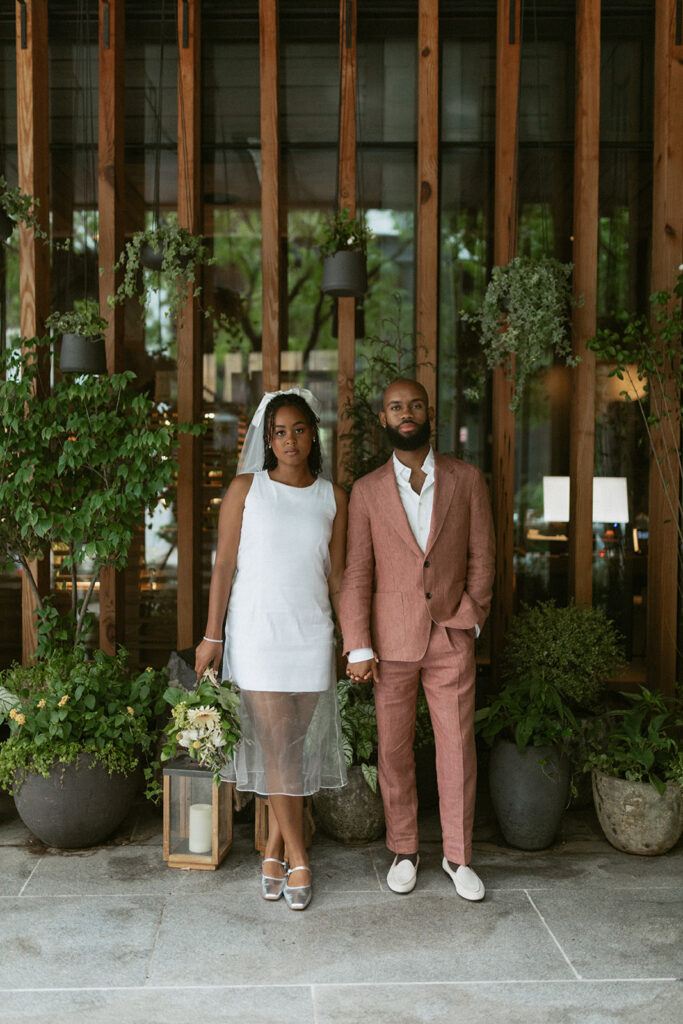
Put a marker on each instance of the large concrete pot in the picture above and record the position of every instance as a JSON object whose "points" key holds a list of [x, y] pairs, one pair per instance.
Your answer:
{"points": [[353, 814], [635, 817], [529, 793], [78, 805]]}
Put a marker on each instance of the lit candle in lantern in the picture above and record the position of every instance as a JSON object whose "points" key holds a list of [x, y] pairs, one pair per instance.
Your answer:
{"points": [[200, 828]]}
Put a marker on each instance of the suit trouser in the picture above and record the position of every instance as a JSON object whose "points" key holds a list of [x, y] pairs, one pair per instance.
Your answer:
{"points": [[448, 674]]}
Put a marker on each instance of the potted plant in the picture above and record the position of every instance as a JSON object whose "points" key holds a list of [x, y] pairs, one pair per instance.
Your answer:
{"points": [[173, 253], [354, 814], [82, 330], [523, 321], [637, 772], [344, 250], [80, 731], [17, 207]]}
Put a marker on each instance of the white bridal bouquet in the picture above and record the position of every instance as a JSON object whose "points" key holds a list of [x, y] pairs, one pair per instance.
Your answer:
{"points": [[204, 722]]}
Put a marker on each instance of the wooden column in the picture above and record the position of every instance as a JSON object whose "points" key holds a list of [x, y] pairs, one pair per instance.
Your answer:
{"points": [[271, 216], [504, 248], [189, 341], [427, 228], [33, 145], [667, 255], [111, 199], [585, 258], [346, 307]]}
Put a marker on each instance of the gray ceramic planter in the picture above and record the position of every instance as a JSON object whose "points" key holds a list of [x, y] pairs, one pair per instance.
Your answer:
{"points": [[345, 274], [77, 805], [635, 817], [353, 814], [529, 793]]}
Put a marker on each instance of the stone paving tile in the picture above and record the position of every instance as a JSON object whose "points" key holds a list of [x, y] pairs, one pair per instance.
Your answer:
{"points": [[263, 1005], [77, 941], [533, 1003], [111, 870], [615, 933], [16, 865], [359, 936]]}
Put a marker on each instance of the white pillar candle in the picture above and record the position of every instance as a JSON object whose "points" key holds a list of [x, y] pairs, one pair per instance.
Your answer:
{"points": [[200, 828]]}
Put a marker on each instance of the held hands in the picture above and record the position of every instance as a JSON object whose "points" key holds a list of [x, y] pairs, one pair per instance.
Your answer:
{"points": [[361, 671], [207, 652]]}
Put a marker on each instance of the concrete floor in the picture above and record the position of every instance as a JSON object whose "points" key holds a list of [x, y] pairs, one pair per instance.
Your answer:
{"points": [[577, 933]]}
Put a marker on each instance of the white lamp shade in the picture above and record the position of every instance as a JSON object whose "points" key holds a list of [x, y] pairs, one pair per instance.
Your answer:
{"points": [[610, 499]]}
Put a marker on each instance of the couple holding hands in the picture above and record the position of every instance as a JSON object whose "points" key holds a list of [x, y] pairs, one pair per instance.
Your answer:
{"points": [[409, 578]]}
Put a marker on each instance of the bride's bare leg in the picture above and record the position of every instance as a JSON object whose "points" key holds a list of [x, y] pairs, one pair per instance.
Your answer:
{"points": [[275, 844], [289, 811]]}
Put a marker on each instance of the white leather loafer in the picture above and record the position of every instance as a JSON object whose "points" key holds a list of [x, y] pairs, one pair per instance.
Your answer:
{"points": [[467, 882], [402, 875]]}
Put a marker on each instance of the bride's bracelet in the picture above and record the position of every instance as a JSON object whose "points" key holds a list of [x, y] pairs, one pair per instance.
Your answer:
{"points": [[211, 640]]}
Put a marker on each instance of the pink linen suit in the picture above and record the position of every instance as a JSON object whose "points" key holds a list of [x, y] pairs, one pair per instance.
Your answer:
{"points": [[418, 611]]}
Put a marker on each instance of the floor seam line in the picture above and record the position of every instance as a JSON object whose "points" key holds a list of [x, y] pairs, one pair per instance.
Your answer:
{"points": [[552, 936], [35, 868]]}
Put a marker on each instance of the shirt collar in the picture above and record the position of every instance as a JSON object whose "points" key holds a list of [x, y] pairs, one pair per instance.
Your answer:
{"points": [[403, 472]]}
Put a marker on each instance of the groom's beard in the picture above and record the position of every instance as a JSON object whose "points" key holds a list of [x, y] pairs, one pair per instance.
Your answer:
{"points": [[410, 442]]}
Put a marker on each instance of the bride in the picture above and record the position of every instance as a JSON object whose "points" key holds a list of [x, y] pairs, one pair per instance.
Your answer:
{"points": [[278, 568]]}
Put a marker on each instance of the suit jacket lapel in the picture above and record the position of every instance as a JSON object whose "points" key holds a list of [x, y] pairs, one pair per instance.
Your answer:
{"points": [[444, 486], [392, 507]]}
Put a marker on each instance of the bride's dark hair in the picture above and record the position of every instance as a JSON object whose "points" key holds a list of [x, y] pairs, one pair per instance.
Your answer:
{"points": [[315, 456]]}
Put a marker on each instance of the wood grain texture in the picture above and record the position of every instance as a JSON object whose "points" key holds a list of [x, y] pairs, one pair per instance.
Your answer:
{"points": [[504, 248], [667, 255], [111, 197], [34, 255], [271, 216], [427, 228], [189, 335], [346, 308], [585, 258]]}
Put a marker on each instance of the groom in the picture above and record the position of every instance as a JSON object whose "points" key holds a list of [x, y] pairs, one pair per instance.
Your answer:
{"points": [[416, 592]]}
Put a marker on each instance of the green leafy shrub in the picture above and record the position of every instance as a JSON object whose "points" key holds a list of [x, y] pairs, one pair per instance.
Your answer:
{"points": [[527, 711], [574, 650], [359, 727], [69, 705]]}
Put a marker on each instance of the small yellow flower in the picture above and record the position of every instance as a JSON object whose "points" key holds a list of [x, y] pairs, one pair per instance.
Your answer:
{"points": [[13, 713], [63, 700], [41, 703], [20, 719], [196, 743], [130, 711], [149, 669]]}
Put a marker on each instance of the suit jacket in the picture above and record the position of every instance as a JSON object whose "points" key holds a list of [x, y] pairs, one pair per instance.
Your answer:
{"points": [[392, 591]]}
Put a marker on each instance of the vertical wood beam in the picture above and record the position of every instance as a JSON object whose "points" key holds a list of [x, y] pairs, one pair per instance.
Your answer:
{"points": [[33, 146], [189, 347], [271, 216], [346, 307], [667, 255], [111, 198], [508, 56], [427, 228], [585, 258]]}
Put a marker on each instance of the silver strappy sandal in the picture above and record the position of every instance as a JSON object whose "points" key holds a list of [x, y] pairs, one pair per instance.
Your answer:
{"points": [[272, 888], [297, 897]]}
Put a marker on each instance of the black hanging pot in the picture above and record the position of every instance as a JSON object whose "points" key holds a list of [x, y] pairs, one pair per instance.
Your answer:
{"points": [[151, 257], [345, 274], [80, 354]]}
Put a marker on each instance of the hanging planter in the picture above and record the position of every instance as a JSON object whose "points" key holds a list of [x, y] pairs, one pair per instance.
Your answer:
{"points": [[17, 207], [151, 257], [83, 348], [344, 250]]}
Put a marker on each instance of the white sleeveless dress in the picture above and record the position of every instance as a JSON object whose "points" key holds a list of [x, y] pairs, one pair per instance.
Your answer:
{"points": [[280, 644]]}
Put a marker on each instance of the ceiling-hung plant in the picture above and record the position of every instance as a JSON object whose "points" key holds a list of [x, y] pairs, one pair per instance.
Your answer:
{"points": [[82, 332], [344, 249], [17, 207], [523, 322]]}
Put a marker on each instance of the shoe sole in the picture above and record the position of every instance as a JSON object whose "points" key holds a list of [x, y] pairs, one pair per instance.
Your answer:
{"points": [[402, 890]]}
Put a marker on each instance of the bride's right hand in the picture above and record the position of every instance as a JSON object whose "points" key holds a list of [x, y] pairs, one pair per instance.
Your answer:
{"points": [[205, 654]]}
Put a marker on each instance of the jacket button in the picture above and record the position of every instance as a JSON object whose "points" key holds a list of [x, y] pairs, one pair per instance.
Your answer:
{"points": [[427, 564], [428, 596]]}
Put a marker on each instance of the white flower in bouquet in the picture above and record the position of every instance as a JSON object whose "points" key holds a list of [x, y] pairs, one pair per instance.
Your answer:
{"points": [[205, 719]]}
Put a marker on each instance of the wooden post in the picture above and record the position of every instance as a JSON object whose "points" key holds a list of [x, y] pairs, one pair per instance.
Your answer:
{"points": [[504, 248], [189, 347], [111, 198], [34, 254], [585, 258], [346, 307], [427, 229], [667, 255], [272, 287]]}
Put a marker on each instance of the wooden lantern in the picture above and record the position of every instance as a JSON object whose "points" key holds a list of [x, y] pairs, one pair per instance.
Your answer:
{"points": [[197, 816]]}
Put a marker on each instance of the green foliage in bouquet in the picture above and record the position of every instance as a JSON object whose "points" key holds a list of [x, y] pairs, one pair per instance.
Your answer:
{"points": [[204, 723]]}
